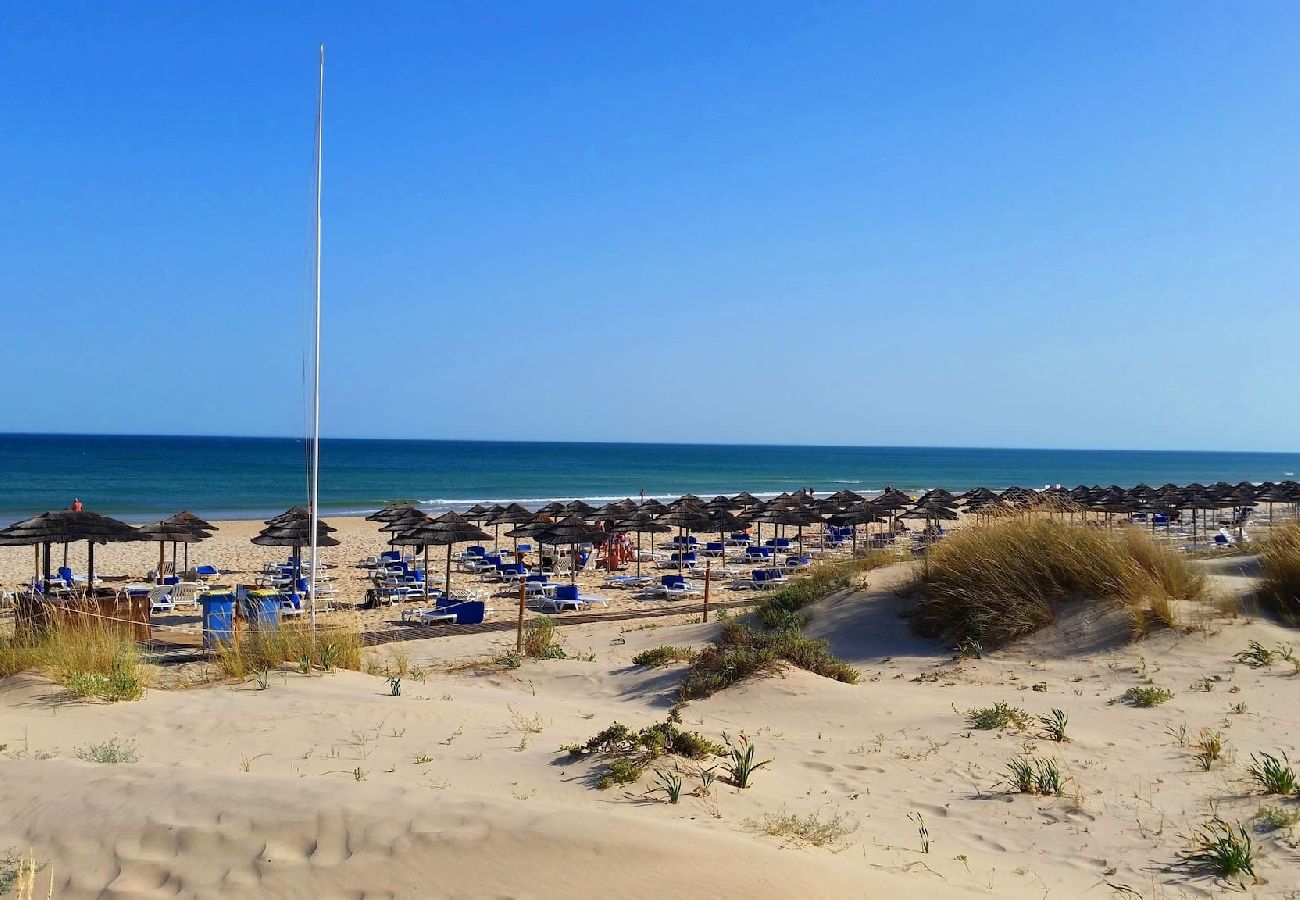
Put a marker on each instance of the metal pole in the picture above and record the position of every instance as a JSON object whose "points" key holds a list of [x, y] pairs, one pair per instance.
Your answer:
{"points": [[315, 389], [519, 631], [708, 569]]}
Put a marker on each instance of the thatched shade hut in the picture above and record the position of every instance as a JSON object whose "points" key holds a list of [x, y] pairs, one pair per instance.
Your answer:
{"points": [[641, 523], [443, 531], [67, 526], [572, 531], [169, 531]]}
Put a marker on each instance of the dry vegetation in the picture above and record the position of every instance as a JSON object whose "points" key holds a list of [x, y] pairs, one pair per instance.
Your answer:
{"points": [[1279, 560], [327, 648], [992, 583], [89, 657]]}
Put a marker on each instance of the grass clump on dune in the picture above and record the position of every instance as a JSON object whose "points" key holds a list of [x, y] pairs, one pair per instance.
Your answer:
{"points": [[996, 582], [781, 607], [1279, 562], [742, 653], [663, 656], [91, 658], [628, 753], [328, 648]]}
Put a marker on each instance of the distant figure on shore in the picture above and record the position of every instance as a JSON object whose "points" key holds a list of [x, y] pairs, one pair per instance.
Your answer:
{"points": [[76, 505]]}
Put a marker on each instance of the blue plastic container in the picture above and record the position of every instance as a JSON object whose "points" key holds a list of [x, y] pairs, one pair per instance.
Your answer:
{"points": [[264, 610], [218, 619]]}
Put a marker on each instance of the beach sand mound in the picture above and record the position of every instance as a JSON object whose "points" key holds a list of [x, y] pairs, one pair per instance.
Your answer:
{"points": [[141, 831]]}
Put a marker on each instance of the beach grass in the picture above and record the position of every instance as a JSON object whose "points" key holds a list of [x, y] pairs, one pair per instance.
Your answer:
{"points": [[92, 659], [337, 645], [782, 607], [1279, 562], [741, 653], [995, 582]]}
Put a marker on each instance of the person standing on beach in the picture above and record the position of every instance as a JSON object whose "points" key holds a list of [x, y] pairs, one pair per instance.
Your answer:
{"points": [[76, 504]]}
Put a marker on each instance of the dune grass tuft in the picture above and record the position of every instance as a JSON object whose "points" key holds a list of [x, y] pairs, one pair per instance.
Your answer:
{"points": [[329, 647], [995, 582], [810, 830], [742, 653], [663, 656], [781, 608], [91, 658], [1279, 562]]}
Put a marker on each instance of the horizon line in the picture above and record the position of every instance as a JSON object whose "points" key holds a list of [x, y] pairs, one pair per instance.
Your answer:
{"points": [[412, 440]]}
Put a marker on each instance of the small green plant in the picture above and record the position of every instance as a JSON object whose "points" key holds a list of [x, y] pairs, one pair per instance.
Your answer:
{"points": [[629, 752], [741, 766], [395, 685], [1223, 849], [1273, 775], [670, 783], [423, 759], [1238, 709], [1256, 656], [304, 664], [663, 656], [1209, 748], [998, 716], [707, 777], [1054, 725], [968, 648], [110, 752], [921, 830], [263, 678], [540, 641], [1275, 817], [1146, 695], [810, 830], [359, 774], [1032, 775], [329, 654]]}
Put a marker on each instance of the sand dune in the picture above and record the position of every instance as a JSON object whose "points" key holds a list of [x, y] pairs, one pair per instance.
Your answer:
{"points": [[464, 791]]}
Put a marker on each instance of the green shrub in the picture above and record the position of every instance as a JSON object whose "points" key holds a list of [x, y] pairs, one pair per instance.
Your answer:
{"points": [[1274, 775], [1223, 849], [110, 752], [1032, 775], [1275, 817], [998, 716], [742, 653], [662, 656], [1257, 656], [1146, 695], [742, 765], [1054, 725], [991, 583], [629, 752], [780, 608]]}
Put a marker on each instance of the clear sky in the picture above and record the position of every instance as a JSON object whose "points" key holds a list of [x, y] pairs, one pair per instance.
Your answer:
{"points": [[1011, 224]]}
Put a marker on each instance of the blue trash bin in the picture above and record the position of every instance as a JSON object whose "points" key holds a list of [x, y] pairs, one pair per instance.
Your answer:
{"points": [[218, 619], [263, 610]]}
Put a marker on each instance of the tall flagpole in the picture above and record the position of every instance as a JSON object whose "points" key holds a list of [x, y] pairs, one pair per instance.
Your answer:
{"points": [[315, 388]]}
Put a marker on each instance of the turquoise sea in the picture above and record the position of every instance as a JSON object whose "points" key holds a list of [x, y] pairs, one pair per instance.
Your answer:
{"points": [[142, 478]]}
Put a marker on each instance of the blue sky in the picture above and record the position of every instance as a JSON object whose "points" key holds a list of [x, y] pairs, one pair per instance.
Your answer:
{"points": [[1009, 224]]}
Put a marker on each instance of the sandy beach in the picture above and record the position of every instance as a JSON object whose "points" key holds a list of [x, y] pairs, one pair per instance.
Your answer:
{"points": [[325, 785]]}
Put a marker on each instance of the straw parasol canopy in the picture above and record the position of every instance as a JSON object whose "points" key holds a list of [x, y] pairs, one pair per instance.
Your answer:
{"points": [[388, 513], [641, 523], [66, 526], [443, 531], [572, 531], [171, 531], [514, 514], [292, 528]]}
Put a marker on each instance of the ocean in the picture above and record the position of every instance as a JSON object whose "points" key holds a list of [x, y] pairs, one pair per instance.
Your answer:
{"points": [[144, 478]]}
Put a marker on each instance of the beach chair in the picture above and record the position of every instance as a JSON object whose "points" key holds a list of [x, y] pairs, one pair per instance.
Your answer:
{"points": [[755, 554], [207, 571], [714, 550], [185, 595], [160, 600], [797, 562], [429, 616], [675, 586]]}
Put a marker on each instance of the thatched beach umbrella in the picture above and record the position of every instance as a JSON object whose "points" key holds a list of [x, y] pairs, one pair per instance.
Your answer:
{"points": [[292, 528], [686, 514], [67, 526], [641, 523], [514, 514], [573, 531], [389, 511], [443, 531], [166, 532], [185, 517]]}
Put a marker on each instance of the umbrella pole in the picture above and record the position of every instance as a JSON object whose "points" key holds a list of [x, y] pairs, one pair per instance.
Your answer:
{"points": [[573, 564], [446, 583], [90, 566], [424, 579], [162, 559], [638, 554], [65, 554]]}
